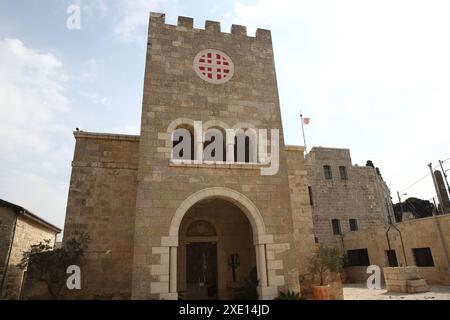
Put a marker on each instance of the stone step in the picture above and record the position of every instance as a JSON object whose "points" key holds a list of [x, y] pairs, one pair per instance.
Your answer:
{"points": [[417, 286]]}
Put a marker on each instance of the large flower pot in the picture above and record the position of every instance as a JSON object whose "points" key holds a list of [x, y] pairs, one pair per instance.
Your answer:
{"points": [[321, 292], [344, 277]]}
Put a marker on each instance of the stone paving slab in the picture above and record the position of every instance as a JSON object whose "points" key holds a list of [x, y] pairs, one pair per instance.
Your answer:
{"points": [[359, 291]]}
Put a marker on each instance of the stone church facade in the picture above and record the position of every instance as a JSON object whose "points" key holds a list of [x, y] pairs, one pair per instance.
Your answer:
{"points": [[166, 224]]}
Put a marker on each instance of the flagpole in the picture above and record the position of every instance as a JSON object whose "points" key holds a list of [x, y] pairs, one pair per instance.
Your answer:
{"points": [[303, 131]]}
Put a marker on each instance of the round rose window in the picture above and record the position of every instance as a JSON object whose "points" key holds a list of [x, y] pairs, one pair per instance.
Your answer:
{"points": [[213, 66]]}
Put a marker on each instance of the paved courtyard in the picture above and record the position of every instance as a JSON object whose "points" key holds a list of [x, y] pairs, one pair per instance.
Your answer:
{"points": [[358, 291]]}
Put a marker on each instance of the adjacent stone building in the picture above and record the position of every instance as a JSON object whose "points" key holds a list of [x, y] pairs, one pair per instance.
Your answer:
{"points": [[423, 243], [344, 197], [19, 229], [352, 210], [165, 222]]}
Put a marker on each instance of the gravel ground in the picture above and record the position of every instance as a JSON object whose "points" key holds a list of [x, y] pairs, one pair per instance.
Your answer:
{"points": [[360, 292]]}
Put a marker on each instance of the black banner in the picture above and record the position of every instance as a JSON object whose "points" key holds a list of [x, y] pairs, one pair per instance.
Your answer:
{"points": [[199, 310]]}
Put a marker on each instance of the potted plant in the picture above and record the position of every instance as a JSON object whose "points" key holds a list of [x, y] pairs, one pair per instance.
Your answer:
{"points": [[324, 261], [289, 295], [248, 291]]}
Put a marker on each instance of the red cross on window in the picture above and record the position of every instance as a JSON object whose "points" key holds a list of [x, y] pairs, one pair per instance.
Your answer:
{"points": [[213, 66]]}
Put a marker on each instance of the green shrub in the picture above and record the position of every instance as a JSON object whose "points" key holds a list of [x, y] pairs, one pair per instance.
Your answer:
{"points": [[289, 295], [326, 259], [48, 265], [248, 291]]}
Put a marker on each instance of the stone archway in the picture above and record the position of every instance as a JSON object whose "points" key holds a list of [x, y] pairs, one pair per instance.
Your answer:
{"points": [[260, 238]]}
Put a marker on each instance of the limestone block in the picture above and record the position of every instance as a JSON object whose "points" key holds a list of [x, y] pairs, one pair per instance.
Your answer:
{"points": [[268, 293], [169, 296], [159, 287], [408, 276], [275, 265], [417, 286], [212, 26], [276, 281], [159, 269], [239, 30], [169, 241]]}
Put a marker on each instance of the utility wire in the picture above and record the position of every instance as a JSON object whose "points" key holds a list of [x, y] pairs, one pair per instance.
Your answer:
{"points": [[412, 185]]}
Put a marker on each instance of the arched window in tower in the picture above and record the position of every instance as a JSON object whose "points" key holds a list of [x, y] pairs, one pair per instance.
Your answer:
{"points": [[183, 143], [214, 145], [245, 146]]}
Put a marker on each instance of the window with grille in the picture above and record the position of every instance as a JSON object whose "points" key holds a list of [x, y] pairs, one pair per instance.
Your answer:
{"points": [[423, 257], [392, 258], [358, 258], [327, 172], [353, 224], [336, 225], [343, 173]]}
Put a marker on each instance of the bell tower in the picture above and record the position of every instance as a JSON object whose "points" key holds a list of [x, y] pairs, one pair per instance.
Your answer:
{"points": [[199, 80]]}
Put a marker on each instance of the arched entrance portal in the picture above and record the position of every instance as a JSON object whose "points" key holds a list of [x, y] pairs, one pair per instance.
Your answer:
{"points": [[216, 252], [251, 234]]}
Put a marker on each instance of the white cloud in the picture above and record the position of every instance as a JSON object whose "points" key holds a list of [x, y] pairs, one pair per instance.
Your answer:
{"points": [[37, 193], [97, 99], [88, 72], [96, 8], [34, 133], [31, 95], [133, 17], [374, 76]]}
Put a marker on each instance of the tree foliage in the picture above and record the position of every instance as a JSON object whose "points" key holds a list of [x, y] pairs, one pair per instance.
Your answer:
{"points": [[325, 260], [248, 291], [369, 163], [420, 208], [48, 265], [289, 295]]}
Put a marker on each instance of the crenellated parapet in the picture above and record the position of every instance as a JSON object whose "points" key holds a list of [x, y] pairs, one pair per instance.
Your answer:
{"points": [[187, 23]]}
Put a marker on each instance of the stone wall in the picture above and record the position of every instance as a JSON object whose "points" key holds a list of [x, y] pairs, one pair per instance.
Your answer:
{"points": [[102, 200], [363, 196], [431, 232], [301, 206], [27, 233], [7, 219]]}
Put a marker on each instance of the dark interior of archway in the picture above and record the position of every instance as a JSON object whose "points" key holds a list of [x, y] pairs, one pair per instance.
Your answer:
{"points": [[216, 251]]}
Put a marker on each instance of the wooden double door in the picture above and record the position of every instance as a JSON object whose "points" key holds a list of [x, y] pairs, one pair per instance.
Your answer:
{"points": [[201, 270]]}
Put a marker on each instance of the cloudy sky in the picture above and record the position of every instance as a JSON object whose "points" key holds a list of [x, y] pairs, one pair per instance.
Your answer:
{"points": [[373, 76]]}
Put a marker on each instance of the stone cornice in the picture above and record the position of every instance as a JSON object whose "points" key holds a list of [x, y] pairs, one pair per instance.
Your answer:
{"points": [[105, 136]]}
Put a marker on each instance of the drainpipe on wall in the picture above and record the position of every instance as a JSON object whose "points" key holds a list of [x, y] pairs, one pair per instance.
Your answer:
{"points": [[389, 217], [5, 269], [343, 244], [401, 240], [387, 238]]}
